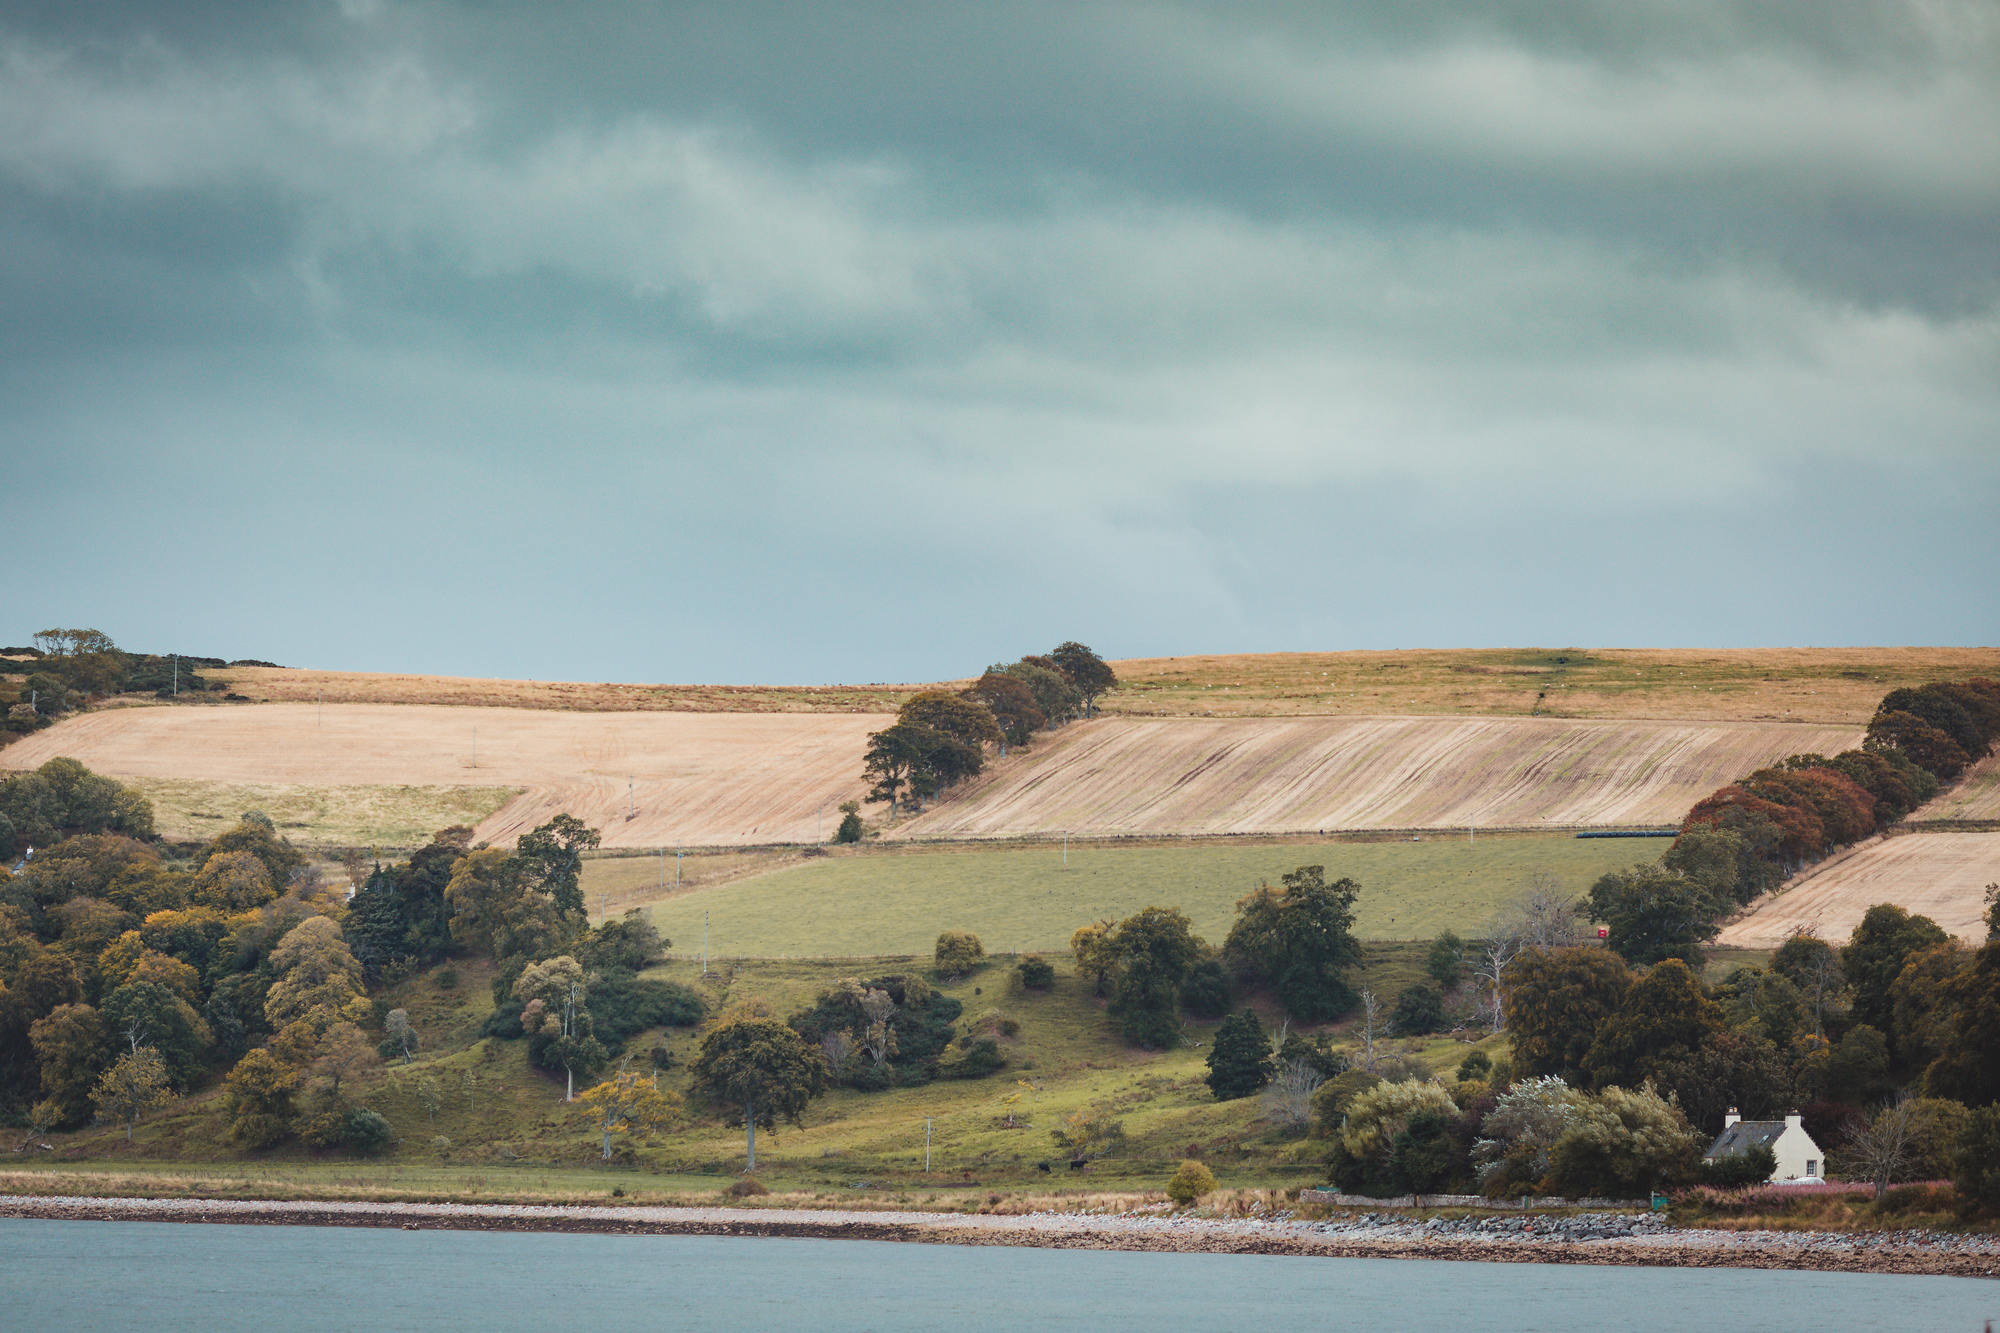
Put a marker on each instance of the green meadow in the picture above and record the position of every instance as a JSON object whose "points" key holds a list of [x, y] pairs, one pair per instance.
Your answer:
{"points": [[871, 901]]}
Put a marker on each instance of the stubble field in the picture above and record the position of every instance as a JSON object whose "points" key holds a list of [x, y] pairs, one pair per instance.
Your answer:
{"points": [[700, 778], [1151, 777], [1942, 875]]}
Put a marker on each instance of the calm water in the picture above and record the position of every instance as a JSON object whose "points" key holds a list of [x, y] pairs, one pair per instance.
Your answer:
{"points": [[143, 1275]]}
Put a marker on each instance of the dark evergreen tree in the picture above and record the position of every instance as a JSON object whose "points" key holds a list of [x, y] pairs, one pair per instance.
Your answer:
{"points": [[1239, 1062], [377, 929], [1419, 1011]]}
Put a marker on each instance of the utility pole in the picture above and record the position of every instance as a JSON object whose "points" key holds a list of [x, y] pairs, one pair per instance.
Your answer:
{"points": [[927, 1145], [1471, 827], [319, 709], [176, 657], [677, 870], [1065, 849], [704, 941], [819, 823], [630, 808]]}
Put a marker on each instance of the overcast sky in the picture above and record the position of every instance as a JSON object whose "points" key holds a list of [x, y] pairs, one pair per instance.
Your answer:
{"points": [[807, 343]]}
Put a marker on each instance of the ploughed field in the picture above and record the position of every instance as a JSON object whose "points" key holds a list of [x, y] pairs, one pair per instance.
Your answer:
{"points": [[1942, 875], [1182, 776], [701, 778]]}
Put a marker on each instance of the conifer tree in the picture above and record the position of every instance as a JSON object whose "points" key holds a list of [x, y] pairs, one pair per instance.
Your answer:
{"points": [[1239, 1063]]}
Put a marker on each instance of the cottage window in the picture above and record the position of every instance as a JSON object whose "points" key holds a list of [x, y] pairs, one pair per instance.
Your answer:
{"points": [[1812, 1167]]}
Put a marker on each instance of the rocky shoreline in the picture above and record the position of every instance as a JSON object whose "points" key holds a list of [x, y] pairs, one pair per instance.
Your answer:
{"points": [[1595, 1238]]}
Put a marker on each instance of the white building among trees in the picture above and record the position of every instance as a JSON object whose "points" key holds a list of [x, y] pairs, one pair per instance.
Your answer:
{"points": [[1800, 1160]]}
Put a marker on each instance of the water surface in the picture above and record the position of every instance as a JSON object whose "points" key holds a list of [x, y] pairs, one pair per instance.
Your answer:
{"points": [[163, 1275]]}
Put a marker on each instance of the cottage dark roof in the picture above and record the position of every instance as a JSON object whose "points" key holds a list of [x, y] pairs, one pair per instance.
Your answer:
{"points": [[1745, 1135]]}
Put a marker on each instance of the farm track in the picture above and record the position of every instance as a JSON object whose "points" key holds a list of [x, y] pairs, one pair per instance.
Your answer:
{"points": [[1184, 777]]}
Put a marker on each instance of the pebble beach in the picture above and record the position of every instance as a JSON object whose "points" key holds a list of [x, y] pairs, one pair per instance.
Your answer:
{"points": [[1587, 1238]]}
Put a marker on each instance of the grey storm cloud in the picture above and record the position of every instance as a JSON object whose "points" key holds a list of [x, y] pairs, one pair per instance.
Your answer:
{"points": [[849, 341]]}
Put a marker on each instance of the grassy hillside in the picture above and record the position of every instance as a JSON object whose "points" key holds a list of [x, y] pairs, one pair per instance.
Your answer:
{"points": [[474, 1121], [871, 901], [1835, 685], [1777, 684]]}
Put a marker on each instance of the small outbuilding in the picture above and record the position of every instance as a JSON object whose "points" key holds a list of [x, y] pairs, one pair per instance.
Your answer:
{"points": [[1800, 1161]]}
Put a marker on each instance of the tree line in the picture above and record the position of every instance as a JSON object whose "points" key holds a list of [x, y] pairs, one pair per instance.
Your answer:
{"points": [[1749, 836], [939, 737], [67, 669]]}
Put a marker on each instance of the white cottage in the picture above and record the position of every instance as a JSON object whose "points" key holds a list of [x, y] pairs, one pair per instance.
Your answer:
{"points": [[1800, 1161]]}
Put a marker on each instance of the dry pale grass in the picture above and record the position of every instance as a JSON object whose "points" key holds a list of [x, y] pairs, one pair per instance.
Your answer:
{"points": [[1739, 684], [703, 779], [360, 816], [299, 685], [1942, 875], [1743, 684], [1244, 775]]}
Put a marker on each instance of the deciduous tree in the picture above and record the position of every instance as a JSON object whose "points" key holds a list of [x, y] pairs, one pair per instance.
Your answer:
{"points": [[134, 1086], [1299, 939], [1556, 1002], [314, 968], [1088, 672], [553, 855], [626, 1103], [1654, 913], [761, 1068]]}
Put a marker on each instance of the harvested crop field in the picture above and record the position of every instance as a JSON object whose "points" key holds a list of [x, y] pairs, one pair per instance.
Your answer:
{"points": [[1130, 776], [706, 779], [1941, 875], [1975, 796]]}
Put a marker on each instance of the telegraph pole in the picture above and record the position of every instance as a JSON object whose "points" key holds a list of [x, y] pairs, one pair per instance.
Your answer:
{"points": [[927, 1145], [630, 808], [704, 941]]}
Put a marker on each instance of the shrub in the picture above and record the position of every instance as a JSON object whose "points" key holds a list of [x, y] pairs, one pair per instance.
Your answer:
{"points": [[1190, 1183], [1927, 1197], [366, 1132], [850, 828], [1036, 973], [1475, 1066], [447, 978], [975, 1059], [325, 1130], [958, 952], [1419, 1011], [1753, 1166], [747, 1188]]}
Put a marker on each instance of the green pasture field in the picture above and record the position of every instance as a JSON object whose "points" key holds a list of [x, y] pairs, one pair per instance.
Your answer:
{"points": [[475, 1122], [357, 816], [1024, 899]]}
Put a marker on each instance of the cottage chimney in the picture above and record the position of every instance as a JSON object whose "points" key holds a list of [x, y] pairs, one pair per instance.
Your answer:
{"points": [[1795, 1121], [1729, 1118]]}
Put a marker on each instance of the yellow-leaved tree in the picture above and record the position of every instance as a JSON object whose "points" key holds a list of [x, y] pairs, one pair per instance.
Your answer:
{"points": [[625, 1103]]}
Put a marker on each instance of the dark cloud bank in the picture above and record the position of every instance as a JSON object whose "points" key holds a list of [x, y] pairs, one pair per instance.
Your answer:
{"points": [[739, 342]]}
